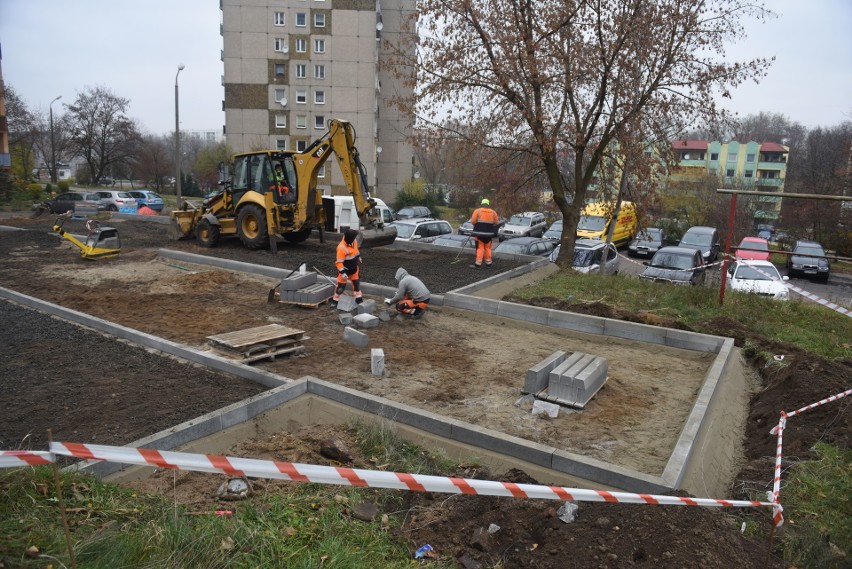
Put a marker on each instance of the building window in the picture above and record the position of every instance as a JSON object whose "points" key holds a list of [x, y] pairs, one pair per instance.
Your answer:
{"points": [[729, 172], [319, 71], [319, 122], [712, 171], [748, 173], [750, 157], [319, 46], [279, 18], [281, 45], [280, 121], [301, 45], [732, 156], [301, 96], [280, 70], [301, 121], [301, 145], [281, 144], [319, 97], [280, 95], [301, 20], [301, 71], [319, 20], [321, 172]]}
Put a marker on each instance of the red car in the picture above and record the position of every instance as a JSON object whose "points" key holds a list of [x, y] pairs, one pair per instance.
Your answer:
{"points": [[753, 248]]}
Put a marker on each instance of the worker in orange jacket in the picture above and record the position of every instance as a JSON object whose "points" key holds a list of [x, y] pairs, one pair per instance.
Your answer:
{"points": [[348, 261], [485, 221]]}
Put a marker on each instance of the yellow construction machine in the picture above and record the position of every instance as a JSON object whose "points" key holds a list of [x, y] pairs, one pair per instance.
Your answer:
{"points": [[273, 194], [100, 242]]}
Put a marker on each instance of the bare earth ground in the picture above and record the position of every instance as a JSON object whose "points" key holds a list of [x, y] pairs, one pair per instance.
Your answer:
{"points": [[113, 393]]}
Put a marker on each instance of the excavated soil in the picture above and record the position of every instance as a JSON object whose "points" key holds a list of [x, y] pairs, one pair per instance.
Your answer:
{"points": [[89, 388]]}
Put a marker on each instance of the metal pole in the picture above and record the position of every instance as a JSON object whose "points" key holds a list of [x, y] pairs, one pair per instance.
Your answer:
{"points": [[177, 140], [52, 143], [727, 249]]}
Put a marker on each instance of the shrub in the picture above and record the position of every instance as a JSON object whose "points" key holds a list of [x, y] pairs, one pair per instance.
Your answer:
{"points": [[35, 191], [48, 187], [63, 185]]}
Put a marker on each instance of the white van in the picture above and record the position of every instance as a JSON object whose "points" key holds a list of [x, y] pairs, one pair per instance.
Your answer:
{"points": [[345, 216]]}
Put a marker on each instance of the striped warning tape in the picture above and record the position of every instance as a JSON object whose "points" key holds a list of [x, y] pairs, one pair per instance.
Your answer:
{"points": [[13, 458], [371, 478], [779, 431]]}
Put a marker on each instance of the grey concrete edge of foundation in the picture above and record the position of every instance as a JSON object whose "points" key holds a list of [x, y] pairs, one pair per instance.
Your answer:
{"points": [[165, 219], [205, 425], [227, 264], [146, 340], [608, 474], [685, 447]]}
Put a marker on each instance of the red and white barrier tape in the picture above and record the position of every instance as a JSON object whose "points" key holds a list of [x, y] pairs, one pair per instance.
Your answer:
{"points": [[14, 458], [779, 430], [371, 478]]}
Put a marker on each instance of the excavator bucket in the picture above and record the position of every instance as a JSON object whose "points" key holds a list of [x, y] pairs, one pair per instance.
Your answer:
{"points": [[368, 238]]}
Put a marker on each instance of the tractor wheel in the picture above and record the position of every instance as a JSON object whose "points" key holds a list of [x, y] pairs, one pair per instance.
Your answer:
{"points": [[298, 236], [251, 227], [207, 233]]}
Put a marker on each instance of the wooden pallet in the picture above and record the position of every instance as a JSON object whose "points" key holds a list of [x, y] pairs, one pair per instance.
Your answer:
{"points": [[263, 342], [305, 304]]}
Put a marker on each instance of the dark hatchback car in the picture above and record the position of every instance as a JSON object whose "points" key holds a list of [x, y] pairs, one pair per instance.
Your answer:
{"points": [[808, 259], [411, 212], [536, 246], [647, 242], [677, 265], [704, 239], [77, 202]]}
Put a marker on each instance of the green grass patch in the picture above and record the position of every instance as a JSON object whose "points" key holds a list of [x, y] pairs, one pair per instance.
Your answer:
{"points": [[810, 326]]}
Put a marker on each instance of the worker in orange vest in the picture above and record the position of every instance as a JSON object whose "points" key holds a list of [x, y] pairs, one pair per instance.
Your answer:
{"points": [[485, 221], [348, 261]]}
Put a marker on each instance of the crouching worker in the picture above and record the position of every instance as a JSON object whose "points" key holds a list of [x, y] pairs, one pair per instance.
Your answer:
{"points": [[347, 263], [412, 296]]}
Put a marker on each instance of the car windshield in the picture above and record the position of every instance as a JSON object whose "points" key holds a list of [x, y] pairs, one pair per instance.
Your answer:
{"points": [[697, 239], [583, 258], [510, 247], [592, 223], [404, 230], [651, 234], [154, 195], [810, 250], [754, 245], [557, 226], [667, 260], [519, 220], [449, 242], [757, 273]]}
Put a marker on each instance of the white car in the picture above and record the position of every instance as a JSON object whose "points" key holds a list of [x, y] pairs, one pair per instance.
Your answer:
{"points": [[758, 277]]}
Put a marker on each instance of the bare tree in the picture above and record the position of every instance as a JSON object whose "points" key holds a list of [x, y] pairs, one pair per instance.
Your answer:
{"points": [[23, 132], [101, 131], [154, 160], [581, 77]]}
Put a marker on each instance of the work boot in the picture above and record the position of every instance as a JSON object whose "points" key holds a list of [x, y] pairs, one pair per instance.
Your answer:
{"points": [[488, 265], [359, 300], [476, 266], [333, 303]]}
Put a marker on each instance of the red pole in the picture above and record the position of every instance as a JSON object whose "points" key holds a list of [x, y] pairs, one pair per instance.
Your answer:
{"points": [[728, 239]]}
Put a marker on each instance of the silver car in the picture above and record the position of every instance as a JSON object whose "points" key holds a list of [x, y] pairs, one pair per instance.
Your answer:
{"points": [[588, 254], [115, 200]]}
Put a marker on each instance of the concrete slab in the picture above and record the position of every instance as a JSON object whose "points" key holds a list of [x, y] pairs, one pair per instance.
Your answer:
{"points": [[365, 321], [377, 362], [297, 281], [538, 375], [577, 322], [356, 338], [366, 307], [346, 303]]}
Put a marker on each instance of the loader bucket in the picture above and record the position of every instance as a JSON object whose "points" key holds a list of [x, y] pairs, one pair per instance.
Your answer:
{"points": [[183, 224], [368, 238]]}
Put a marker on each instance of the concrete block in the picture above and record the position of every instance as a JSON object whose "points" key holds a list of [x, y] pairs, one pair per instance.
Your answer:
{"points": [[522, 312], [562, 367], [356, 338], [577, 322], [297, 281], [537, 375], [365, 321], [545, 408], [317, 292], [346, 303], [345, 318], [635, 331], [693, 340], [366, 307], [377, 361], [384, 316]]}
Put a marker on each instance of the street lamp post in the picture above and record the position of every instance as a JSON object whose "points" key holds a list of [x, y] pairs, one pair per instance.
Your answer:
{"points": [[52, 143], [177, 140]]}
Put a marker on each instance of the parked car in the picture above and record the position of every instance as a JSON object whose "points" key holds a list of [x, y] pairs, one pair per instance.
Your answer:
{"points": [[704, 239], [526, 224], [754, 248], [647, 242], [466, 228], [678, 265], [77, 202], [554, 232], [588, 254], [758, 277], [534, 246], [411, 212], [114, 200], [457, 241], [808, 259], [422, 230], [595, 219], [149, 198]]}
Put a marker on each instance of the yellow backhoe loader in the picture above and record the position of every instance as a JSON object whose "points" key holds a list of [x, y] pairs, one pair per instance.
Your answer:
{"points": [[273, 194], [101, 242]]}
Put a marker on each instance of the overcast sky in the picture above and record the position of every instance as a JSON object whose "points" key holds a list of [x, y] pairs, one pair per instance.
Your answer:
{"points": [[62, 47]]}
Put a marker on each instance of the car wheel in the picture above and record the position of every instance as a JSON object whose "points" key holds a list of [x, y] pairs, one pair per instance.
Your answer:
{"points": [[112, 207], [206, 233], [251, 227]]}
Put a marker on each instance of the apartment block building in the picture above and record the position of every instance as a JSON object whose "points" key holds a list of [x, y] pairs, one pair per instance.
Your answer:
{"points": [[291, 65], [750, 165]]}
